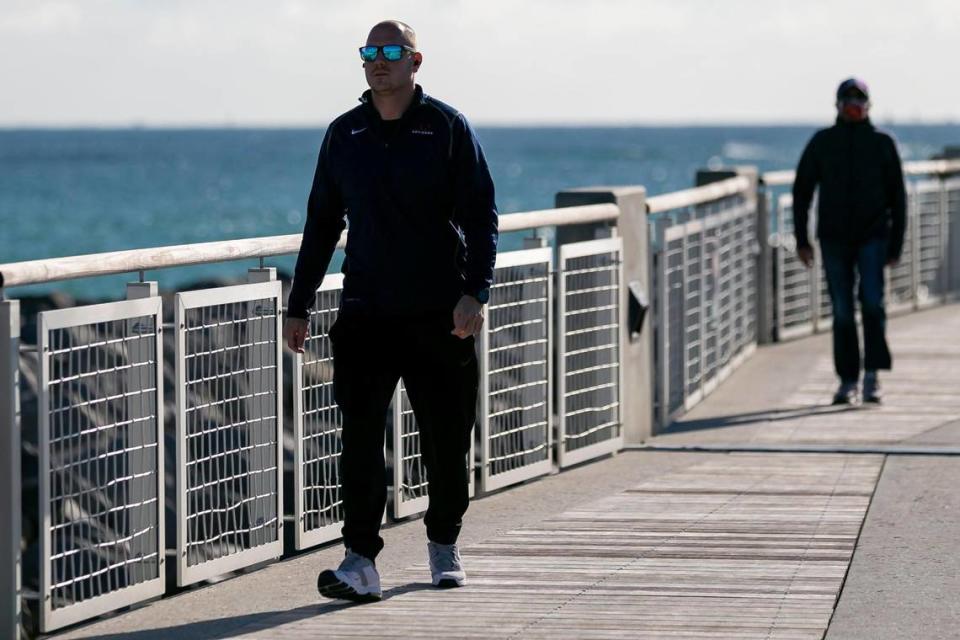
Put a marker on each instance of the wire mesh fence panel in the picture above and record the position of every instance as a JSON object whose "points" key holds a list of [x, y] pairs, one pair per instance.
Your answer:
{"points": [[824, 307], [744, 311], [725, 274], [101, 459], [673, 318], [931, 242], [733, 263], [318, 499], [710, 295], [706, 293], [795, 282], [900, 279], [515, 371], [589, 346], [410, 481], [229, 429], [951, 189], [692, 318]]}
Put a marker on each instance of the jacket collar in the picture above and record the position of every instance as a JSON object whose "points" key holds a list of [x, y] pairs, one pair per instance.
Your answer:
{"points": [[865, 123], [419, 98]]}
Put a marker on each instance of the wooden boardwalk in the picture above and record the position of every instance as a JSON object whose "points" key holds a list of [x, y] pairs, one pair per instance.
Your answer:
{"points": [[752, 546], [742, 544], [921, 400]]}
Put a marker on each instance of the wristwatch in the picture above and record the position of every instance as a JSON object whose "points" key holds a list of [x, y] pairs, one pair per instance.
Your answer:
{"points": [[481, 296]]}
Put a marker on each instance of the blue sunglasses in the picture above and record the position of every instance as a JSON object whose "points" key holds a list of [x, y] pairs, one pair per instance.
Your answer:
{"points": [[391, 52]]}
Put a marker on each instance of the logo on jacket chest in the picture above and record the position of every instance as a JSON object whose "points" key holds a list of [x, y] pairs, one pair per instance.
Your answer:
{"points": [[422, 130]]}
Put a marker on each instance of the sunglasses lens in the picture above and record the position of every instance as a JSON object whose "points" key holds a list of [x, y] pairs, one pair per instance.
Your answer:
{"points": [[368, 54], [392, 52]]}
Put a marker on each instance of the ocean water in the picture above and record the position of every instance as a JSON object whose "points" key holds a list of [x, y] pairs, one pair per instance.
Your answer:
{"points": [[70, 192]]}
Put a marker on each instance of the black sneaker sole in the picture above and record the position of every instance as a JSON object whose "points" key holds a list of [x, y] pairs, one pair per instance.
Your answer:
{"points": [[448, 583], [331, 587]]}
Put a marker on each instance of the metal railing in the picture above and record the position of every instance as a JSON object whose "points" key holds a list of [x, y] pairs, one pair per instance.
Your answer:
{"points": [[561, 323], [515, 371], [101, 480], [318, 500], [591, 329], [704, 292], [927, 274], [229, 429], [100, 388]]}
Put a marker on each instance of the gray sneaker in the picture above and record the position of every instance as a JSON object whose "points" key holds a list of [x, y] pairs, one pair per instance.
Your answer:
{"points": [[846, 393], [446, 567], [871, 388], [356, 579]]}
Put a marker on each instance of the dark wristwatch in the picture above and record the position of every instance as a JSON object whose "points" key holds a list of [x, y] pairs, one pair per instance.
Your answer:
{"points": [[481, 296]]}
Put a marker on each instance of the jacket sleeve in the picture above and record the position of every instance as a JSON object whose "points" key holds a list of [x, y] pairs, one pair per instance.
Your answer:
{"points": [[325, 223], [804, 183], [475, 207], [897, 201]]}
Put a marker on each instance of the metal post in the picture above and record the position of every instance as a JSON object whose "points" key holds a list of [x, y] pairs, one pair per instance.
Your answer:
{"points": [[10, 464], [637, 358]]}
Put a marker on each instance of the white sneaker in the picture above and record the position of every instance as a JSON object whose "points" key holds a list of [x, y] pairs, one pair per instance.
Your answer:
{"points": [[446, 567], [356, 579]]}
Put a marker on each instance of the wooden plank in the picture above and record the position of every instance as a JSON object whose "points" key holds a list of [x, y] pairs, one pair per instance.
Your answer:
{"points": [[740, 546]]}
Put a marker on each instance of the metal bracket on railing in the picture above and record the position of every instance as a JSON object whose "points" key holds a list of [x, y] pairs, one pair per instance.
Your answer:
{"points": [[534, 242], [263, 274], [637, 305]]}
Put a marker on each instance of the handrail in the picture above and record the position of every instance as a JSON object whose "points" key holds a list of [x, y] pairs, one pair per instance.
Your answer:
{"points": [[931, 167], [698, 195], [584, 214], [915, 168], [101, 264]]}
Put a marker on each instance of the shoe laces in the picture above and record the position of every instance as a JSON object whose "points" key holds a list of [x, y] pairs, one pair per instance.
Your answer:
{"points": [[445, 556]]}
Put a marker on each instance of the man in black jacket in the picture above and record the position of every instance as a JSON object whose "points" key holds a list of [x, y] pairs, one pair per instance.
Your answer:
{"points": [[408, 174], [861, 220]]}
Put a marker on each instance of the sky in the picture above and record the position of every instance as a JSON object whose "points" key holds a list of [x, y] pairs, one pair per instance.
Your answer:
{"points": [[604, 62]]}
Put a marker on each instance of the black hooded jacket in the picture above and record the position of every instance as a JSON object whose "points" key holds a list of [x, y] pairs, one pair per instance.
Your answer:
{"points": [[420, 204], [862, 194]]}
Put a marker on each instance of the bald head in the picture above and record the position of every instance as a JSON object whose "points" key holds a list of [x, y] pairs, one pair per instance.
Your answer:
{"points": [[393, 32]]}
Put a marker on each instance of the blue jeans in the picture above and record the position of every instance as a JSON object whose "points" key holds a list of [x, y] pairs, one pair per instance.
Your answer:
{"points": [[842, 263]]}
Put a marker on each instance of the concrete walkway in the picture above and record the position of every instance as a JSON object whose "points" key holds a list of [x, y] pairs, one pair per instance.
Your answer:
{"points": [[673, 543]]}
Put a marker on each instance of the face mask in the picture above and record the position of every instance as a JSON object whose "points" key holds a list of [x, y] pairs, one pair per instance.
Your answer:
{"points": [[853, 111]]}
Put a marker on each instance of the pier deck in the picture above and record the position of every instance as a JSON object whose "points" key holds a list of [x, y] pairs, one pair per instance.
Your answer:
{"points": [[763, 513]]}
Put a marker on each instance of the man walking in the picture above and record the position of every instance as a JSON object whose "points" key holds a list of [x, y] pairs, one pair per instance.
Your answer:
{"points": [[861, 220], [409, 175]]}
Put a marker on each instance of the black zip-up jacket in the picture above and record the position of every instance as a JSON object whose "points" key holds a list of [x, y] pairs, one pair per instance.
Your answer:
{"points": [[862, 194], [420, 204]]}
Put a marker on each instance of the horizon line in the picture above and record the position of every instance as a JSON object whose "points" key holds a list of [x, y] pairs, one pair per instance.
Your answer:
{"points": [[491, 124]]}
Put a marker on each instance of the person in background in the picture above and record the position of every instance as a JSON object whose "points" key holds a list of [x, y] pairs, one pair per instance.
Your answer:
{"points": [[861, 221], [408, 173]]}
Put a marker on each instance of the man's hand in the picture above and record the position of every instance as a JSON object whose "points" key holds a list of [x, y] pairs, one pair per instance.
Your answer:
{"points": [[467, 317], [295, 331], [806, 256]]}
